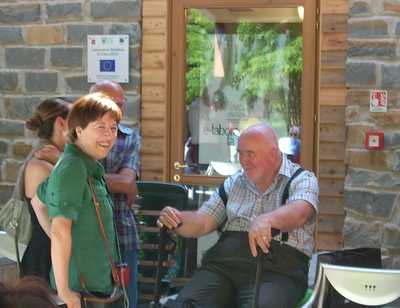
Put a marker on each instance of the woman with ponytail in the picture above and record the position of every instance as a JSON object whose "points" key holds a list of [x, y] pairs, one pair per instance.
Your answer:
{"points": [[49, 123]]}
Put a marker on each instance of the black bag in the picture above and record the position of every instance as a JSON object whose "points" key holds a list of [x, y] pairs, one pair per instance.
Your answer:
{"points": [[87, 302], [359, 257]]}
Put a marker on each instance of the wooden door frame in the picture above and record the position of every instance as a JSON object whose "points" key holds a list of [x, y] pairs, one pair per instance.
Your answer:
{"points": [[176, 81]]}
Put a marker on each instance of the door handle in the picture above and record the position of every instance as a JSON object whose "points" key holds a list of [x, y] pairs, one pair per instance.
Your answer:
{"points": [[178, 165], [177, 178]]}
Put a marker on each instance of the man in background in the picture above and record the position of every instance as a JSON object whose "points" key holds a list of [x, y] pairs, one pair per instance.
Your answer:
{"points": [[294, 134], [198, 108], [121, 167]]}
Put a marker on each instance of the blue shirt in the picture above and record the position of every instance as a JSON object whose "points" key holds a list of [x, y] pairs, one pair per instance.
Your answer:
{"points": [[125, 153]]}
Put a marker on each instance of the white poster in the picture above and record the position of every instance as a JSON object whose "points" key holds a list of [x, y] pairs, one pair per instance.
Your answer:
{"points": [[378, 101], [108, 58]]}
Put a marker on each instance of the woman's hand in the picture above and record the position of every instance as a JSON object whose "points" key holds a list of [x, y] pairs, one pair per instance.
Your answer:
{"points": [[49, 153], [70, 298]]}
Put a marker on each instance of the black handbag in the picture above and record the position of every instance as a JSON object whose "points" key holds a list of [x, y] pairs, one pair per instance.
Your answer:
{"points": [[94, 301], [113, 301]]}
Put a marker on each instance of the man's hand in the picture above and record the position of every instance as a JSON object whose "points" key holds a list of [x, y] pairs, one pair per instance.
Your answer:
{"points": [[170, 218], [131, 195], [123, 182], [49, 153], [260, 234]]}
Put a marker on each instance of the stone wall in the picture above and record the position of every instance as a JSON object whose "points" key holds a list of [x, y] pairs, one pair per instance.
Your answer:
{"points": [[43, 53], [372, 200]]}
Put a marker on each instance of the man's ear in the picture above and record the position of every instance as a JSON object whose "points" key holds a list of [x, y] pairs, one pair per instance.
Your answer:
{"points": [[275, 153]]}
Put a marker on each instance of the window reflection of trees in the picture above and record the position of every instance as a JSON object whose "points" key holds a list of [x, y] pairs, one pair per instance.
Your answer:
{"points": [[262, 67], [270, 67]]}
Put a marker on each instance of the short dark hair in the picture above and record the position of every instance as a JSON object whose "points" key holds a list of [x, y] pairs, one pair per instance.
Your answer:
{"points": [[88, 109]]}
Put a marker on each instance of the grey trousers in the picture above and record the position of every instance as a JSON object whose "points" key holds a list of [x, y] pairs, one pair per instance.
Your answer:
{"points": [[227, 276]]}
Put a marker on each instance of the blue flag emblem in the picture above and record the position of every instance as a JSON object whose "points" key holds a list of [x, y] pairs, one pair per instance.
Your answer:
{"points": [[107, 65]]}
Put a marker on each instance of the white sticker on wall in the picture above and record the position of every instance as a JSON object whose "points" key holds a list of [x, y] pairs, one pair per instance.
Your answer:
{"points": [[108, 58], [378, 101]]}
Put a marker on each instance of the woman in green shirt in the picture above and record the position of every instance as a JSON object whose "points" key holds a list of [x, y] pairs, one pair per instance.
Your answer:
{"points": [[79, 258]]}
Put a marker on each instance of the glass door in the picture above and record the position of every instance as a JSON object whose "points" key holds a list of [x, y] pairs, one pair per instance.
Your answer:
{"points": [[236, 63]]}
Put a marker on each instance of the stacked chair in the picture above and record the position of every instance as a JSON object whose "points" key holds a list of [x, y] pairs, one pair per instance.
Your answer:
{"points": [[159, 267]]}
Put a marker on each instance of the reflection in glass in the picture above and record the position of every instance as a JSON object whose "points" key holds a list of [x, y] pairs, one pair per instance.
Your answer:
{"points": [[196, 249], [243, 66]]}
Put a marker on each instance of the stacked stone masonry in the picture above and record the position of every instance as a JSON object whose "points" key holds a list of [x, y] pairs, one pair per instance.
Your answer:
{"points": [[372, 199], [43, 54]]}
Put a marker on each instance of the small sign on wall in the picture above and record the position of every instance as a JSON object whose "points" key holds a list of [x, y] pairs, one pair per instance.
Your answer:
{"points": [[108, 58], [378, 101], [374, 140]]}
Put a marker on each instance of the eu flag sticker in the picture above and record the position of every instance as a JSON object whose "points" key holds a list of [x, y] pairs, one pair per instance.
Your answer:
{"points": [[107, 65]]}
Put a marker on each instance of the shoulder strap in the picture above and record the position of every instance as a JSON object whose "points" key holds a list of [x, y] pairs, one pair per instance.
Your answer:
{"points": [[87, 296], [222, 194], [96, 205], [285, 196]]}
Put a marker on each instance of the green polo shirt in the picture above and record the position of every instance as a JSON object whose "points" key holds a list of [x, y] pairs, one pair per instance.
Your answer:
{"points": [[66, 193]]}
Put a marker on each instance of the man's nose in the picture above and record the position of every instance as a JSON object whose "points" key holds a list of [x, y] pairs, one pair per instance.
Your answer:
{"points": [[243, 160]]}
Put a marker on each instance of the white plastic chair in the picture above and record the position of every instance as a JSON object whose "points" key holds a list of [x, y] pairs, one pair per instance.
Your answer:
{"points": [[366, 286]]}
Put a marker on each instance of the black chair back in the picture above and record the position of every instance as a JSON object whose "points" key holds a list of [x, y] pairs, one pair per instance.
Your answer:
{"points": [[155, 273]]}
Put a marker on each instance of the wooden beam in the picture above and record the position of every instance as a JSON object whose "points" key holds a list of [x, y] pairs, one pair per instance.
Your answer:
{"points": [[153, 8], [334, 6], [333, 78], [154, 25], [332, 23], [153, 93], [152, 146], [332, 115], [332, 96], [153, 128], [334, 41], [153, 111], [153, 42]]}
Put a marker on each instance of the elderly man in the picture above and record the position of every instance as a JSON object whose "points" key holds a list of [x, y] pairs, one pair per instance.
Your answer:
{"points": [[121, 167], [254, 206]]}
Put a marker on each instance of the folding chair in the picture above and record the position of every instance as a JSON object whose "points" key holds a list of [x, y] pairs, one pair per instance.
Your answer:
{"points": [[365, 286]]}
